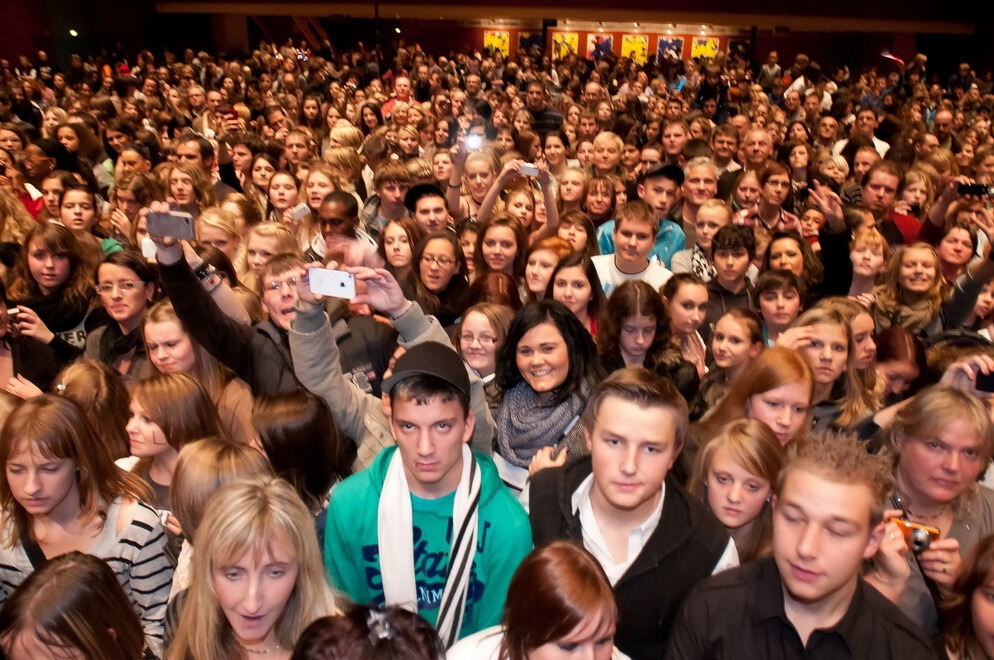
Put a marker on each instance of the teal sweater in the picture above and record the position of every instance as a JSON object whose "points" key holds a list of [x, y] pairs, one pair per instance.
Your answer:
{"points": [[502, 540]]}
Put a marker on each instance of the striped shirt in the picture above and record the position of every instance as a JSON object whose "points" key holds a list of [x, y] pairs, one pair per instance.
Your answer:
{"points": [[136, 555]]}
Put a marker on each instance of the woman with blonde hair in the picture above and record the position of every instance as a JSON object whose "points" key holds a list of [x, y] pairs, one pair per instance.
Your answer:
{"points": [[216, 227], [203, 468], [87, 505], [259, 530], [941, 442], [263, 242], [733, 476], [824, 337], [171, 350], [346, 166], [72, 606], [914, 294], [344, 134], [15, 221], [473, 172]]}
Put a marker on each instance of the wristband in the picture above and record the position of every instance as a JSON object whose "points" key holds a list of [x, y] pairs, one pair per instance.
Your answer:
{"points": [[455, 185], [204, 270]]}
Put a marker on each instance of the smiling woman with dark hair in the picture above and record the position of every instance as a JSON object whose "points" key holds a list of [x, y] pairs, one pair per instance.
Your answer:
{"points": [[546, 368]]}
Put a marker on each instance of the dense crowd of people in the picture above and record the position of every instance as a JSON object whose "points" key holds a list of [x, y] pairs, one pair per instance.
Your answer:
{"points": [[689, 360]]}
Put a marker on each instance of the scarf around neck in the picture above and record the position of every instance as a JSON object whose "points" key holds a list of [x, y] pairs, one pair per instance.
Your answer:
{"points": [[395, 538], [114, 343], [524, 425]]}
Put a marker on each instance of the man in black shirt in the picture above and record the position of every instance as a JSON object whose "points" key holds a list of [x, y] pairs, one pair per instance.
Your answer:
{"points": [[808, 600], [544, 118]]}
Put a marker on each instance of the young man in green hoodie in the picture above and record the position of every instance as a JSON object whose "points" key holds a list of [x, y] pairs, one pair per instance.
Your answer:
{"points": [[428, 525]]}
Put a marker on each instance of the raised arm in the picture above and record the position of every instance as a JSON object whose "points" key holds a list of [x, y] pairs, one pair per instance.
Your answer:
{"points": [[551, 210], [453, 192], [487, 205]]}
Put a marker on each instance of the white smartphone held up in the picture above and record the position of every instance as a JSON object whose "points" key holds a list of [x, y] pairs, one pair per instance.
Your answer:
{"points": [[528, 169], [176, 224], [334, 283], [300, 211]]}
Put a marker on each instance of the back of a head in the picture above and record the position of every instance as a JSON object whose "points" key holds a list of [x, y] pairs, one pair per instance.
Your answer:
{"points": [[73, 603], [203, 468], [304, 445], [364, 633]]}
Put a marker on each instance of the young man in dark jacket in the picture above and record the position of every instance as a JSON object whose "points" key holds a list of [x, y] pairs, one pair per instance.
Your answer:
{"points": [[809, 600], [654, 540]]}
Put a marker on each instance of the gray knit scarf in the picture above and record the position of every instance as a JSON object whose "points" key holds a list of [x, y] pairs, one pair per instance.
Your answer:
{"points": [[524, 426]]}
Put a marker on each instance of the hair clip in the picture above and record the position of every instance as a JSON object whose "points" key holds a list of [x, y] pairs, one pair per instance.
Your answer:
{"points": [[60, 388], [379, 627]]}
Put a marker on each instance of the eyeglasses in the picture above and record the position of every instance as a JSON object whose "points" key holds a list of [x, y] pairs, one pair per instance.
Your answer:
{"points": [[485, 340], [126, 286], [277, 285], [443, 262]]}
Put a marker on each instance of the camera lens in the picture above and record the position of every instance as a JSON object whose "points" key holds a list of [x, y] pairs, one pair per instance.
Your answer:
{"points": [[920, 540]]}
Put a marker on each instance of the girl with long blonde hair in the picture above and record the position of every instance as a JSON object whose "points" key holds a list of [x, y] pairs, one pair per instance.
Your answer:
{"points": [[259, 530]]}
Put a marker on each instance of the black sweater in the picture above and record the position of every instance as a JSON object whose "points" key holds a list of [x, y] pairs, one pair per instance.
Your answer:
{"points": [[682, 551]]}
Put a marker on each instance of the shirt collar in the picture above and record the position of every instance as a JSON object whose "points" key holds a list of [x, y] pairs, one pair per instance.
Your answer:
{"points": [[581, 499], [854, 627]]}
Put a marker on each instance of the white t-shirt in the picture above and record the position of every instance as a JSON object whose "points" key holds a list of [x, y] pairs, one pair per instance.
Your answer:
{"points": [[655, 274]]}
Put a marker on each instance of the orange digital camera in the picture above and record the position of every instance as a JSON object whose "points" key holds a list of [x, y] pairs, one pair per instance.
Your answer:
{"points": [[918, 537]]}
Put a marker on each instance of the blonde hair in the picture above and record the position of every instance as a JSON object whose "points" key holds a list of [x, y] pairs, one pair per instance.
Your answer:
{"points": [[285, 242], [348, 163], [346, 135], [203, 468], [870, 237], [218, 218], [889, 295], [754, 447], [250, 516], [842, 458], [717, 205], [863, 395], [15, 219], [933, 409]]}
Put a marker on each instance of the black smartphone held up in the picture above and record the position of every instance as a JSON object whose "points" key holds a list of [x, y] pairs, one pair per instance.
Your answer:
{"points": [[976, 189], [984, 382]]}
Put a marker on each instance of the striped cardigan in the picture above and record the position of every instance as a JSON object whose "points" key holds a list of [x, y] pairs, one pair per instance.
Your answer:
{"points": [[136, 556]]}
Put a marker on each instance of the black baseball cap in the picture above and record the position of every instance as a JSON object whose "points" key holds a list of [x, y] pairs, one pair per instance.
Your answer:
{"points": [[419, 191], [430, 359], [667, 170]]}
